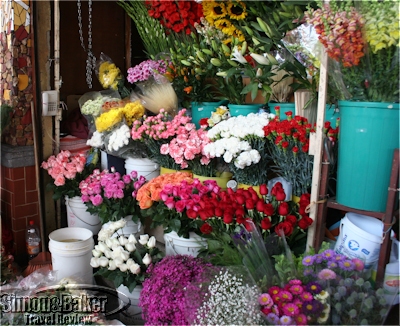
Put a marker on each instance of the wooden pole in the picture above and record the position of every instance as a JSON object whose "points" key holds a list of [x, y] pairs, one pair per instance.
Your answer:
{"points": [[316, 146]]}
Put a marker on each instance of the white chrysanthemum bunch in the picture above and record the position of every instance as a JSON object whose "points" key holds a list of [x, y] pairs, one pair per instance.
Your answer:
{"points": [[92, 107], [233, 139], [97, 140], [119, 138], [229, 301], [115, 252]]}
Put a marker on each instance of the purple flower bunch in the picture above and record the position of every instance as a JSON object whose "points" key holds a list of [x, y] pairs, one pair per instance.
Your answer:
{"points": [[146, 69], [163, 298], [111, 195], [295, 304]]}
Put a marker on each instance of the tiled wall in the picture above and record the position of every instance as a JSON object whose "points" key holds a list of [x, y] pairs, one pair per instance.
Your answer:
{"points": [[19, 192]]}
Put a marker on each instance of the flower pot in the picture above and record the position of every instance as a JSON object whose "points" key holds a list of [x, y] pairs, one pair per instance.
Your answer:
{"points": [[221, 181], [176, 245], [131, 299], [202, 110], [284, 107], [164, 170], [77, 216], [243, 109], [143, 166], [369, 133]]}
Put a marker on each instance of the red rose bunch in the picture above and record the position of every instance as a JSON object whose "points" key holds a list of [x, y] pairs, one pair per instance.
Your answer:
{"points": [[176, 16]]}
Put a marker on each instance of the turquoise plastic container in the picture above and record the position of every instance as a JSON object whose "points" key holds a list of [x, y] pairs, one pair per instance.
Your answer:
{"points": [[285, 107], [243, 109], [202, 110], [332, 113], [368, 135]]}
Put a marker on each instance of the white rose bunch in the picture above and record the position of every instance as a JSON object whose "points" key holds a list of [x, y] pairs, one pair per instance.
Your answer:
{"points": [[97, 140], [119, 138], [128, 256]]}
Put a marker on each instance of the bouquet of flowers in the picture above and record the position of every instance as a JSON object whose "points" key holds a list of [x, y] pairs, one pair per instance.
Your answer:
{"points": [[361, 38], [288, 144], [240, 141], [68, 170], [221, 113], [179, 204], [121, 259], [110, 195], [164, 302], [146, 69], [154, 131], [110, 76], [226, 297]]}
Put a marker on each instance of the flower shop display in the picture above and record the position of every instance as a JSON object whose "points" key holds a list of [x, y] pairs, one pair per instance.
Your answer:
{"points": [[112, 196], [124, 259], [288, 144], [364, 65], [154, 131], [240, 142], [163, 301], [67, 171]]}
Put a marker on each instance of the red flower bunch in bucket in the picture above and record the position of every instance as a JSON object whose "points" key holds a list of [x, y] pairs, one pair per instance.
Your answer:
{"points": [[178, 16]]}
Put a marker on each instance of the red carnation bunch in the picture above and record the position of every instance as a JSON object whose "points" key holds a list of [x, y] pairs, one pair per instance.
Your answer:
{"points": [[177, 16]]}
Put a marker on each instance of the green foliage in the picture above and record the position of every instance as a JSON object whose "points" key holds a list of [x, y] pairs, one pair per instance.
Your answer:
{"points": [[5, 111]]}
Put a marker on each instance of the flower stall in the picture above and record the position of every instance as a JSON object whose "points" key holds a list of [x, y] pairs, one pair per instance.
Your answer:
{"points": [[238, 194]]}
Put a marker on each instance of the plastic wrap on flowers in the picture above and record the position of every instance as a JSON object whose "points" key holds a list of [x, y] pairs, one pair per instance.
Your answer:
{"points": [[155, 94], [226, 296], [110, 76]]}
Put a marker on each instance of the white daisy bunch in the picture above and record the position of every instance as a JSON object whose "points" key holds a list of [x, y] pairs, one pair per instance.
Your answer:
{"points": [[97, 140], [119, 138], [229, 301]]}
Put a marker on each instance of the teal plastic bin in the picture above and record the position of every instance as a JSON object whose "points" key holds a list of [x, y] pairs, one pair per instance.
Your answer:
{"points": [[368, 135], [244, 109], [200, 110], [284, 107]]}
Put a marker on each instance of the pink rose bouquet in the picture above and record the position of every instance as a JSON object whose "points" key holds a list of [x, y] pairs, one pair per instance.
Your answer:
{"points": [[110, 195], [67, 170], [160, 129]]}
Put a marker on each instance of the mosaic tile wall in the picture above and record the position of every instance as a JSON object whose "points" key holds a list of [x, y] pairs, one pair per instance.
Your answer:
{"points": [[16, 86]]}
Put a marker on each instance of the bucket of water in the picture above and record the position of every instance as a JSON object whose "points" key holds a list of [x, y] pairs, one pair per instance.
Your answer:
{"points": [[71, 251], [143, 166], [176, 245]]}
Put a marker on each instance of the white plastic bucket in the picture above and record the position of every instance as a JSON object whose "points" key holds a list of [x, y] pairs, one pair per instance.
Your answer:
{"points": [[176, 245], [71, 251], [360, 237], [134, 311], [103, 160], [78, 217], [130, 228], [143, 166]]}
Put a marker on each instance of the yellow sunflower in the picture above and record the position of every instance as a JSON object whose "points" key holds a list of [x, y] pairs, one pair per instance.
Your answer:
{"points": [[213, 10], [239, 35], [225, 26], [236, 10]]}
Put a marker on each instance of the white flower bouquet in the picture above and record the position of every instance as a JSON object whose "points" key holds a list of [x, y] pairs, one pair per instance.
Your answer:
{"points": [[240, 141], [123, 260]]}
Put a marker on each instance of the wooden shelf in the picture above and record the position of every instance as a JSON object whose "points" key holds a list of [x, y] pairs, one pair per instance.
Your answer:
{"points": [[332, 203]]}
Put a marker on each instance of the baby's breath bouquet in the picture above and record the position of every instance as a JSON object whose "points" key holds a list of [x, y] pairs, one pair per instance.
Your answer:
{"points": [[362, 39]]}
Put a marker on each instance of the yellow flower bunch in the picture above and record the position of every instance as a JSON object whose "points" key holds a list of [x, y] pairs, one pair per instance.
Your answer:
{"points": [[109, 75], [109, 119], [133, 111], [382, 25], [224, 15]]}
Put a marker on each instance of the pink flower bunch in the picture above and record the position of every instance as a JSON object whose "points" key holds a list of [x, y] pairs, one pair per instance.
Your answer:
{"points": [[340, 33], [187, 148], [146, 69], [64, 166], [157, 130], [111, 195], [295, 304]]}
